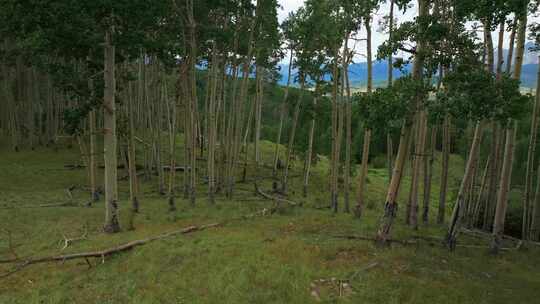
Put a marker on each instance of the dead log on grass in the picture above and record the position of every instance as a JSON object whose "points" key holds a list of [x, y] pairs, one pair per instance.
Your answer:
{"points": [[22, 263], [100, 253], [274, 198]]}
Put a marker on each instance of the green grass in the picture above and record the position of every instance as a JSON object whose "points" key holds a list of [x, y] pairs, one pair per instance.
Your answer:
{"points": [[272, 259]]}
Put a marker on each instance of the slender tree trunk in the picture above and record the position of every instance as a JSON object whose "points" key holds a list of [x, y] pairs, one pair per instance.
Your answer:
{"points": [[493, 176], [389, 143], [481, 195], [504, 188], [417, 163], [172, 117], [309, 152], [109, 137], [284, 182], [390, 36], [334, 156], [158, 147], [345, 85], [282, 112], [490, 64], [341, 119], [133, 179], [367, 132], [192, 101], [494, 164], [511, 46], [535, 225], [468, 212], [505, 182], [211, 126], [363, 174], [348, 148], [527, 194], [457, 214], [500, 49], [391, 198], [258, 118], [239, 110], [428, 173], [92, 157], [229, 138], [186, 106], [535, 214], [444, 170], [245, 144]]}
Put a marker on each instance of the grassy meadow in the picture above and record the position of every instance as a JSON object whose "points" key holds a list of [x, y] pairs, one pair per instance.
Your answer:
{"points": [[295, 255]]}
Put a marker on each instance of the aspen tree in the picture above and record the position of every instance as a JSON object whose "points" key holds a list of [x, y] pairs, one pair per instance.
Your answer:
{"points": [[110, 151], [506, 171], [391, 197], [535, 214]]}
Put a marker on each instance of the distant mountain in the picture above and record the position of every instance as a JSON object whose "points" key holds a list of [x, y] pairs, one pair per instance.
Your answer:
{"points": [[358, 71], [358, 74]]}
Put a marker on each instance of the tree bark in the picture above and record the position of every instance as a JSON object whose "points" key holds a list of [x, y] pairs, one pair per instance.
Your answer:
{"points": [[172, 123], [481, 195], [192, 101], [334, 156], [535, 214], [284, 182], [493, 176], [417, 165], [109, 138], [511, 47], [428, 173], [457, 214], [211, 126], [133, 179], [527, 195], [92, 157], [283, 110], [309, 152], [504, 188], [389, 143], [390, 208], [535, 224], [345, 85], [363, 174], [258, 117], [490, 64]]}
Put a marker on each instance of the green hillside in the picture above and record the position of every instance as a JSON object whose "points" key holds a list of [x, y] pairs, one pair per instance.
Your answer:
{"points": [[272, 258]]}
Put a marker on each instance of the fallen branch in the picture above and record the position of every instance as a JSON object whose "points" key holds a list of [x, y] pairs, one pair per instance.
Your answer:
{"points": [[366, 238], [485, 247], [274, 198], [101, 253], [14, 270], [68, 241], [363, 269], [482, 234], [66, 204], [124, 247]]}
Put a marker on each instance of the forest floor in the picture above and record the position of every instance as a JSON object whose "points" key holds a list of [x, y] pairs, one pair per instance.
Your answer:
{"points": [[295, 255]]}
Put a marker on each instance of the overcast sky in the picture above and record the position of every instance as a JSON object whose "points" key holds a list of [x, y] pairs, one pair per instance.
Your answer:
{"points": [[378, 37]]}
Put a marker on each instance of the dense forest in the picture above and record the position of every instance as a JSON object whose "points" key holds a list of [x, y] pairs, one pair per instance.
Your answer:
{"points": [[130, 122]]}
